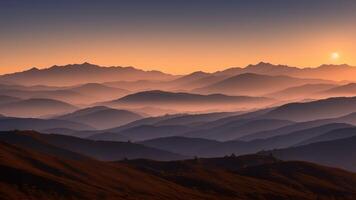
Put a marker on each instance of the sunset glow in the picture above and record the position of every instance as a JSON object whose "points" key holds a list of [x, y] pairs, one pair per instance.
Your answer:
{"points": [[335, 56], [175, 37]]}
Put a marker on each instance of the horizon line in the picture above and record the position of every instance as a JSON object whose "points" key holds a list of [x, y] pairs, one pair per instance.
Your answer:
{"points": [[164, 71]]}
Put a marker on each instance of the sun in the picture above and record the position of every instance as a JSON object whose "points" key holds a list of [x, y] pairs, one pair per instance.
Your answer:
{"points": [[334, 55]]}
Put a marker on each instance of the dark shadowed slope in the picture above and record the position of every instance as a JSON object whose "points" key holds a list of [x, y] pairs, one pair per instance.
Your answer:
{"points": [[196, 119], [183, 145], [145, 121], [80, 74], [96, 149], [337, 153], [35, 108], [27, 174], [331, 135], [4, 99], [29, 140], [236, 129], [321, 109], [146, 132], [177, 119], [255, 84], [296, 177], [213, 148], [162, 126], [296, 137], [348, 119], [101, 117], [11, 123]]}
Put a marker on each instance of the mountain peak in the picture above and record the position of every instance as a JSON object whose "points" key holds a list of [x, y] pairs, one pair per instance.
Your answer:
{"points": [[33, 69]]}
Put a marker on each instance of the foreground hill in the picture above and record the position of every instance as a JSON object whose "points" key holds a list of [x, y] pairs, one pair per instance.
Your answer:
{"points": [[101, 117], [40, 176], [100, 150], [79, 74], [35, 108]]}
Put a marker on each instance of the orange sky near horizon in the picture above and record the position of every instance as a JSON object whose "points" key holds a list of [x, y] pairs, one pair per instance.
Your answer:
{"points": [[208, 37], [179, 55]]}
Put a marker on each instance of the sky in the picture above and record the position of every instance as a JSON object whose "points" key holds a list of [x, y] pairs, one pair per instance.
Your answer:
{"points": [[176, 36]]}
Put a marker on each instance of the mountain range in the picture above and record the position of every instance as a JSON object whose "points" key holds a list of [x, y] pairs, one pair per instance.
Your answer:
{"points": [[84, 131], [83, 73]]}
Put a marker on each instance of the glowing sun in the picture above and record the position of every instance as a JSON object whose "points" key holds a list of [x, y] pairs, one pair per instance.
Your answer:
{"points": [[334, 55]]}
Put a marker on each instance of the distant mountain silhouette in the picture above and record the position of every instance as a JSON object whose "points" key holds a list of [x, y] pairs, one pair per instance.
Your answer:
{"points": [[336, 153], [35, 108], [157, 126], [170, 97], [189, 102], [327, 72], [255, 84], [146, 132], [194, 80], [183, 145], [301, 92], [71, 132], [181, 83], [11, 123], [331, 135], [178, 119], [344, 90], [325, 108], [101, 117], [100, 150], [99, 92], [296, 137], [236, 129], [145, 121], [107, 136], [195, 119], [81, 73], [300, 126], [59, 178], [4, 99], [212, 148], [61, 95]]}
